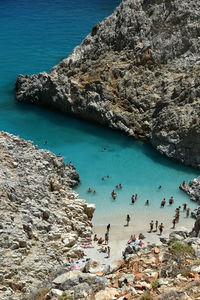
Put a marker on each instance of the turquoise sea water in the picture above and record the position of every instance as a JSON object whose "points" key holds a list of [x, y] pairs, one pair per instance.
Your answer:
{"points": [[34, 36]]}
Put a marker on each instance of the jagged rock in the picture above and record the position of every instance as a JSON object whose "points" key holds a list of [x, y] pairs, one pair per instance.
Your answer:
{"points": [[53, 293], [107, 294], [172, 295], [138, 72], [196, 228], [37, 229], [81, 283], [193, 190], [95, 267], [89, 210], [179, 235], [196, 269]]}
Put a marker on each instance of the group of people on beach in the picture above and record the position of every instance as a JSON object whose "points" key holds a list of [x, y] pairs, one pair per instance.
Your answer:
{"points": [[154, 225], [105, 241], [160, 227]]}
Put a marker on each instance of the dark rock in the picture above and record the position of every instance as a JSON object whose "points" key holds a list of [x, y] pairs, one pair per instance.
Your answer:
{"points": [[136, 72]]}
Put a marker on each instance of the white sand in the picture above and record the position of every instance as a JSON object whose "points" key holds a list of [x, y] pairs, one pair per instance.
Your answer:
{"points": [[120, 234]]}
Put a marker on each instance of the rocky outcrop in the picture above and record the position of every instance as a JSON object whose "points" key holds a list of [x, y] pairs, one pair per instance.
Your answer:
{"points": [[138, 72], [192, 189], [168, 271], [41, 218]]}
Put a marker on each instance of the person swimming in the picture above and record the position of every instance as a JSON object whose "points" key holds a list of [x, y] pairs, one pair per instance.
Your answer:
{"points": [[89, 190], [147, 202], [133, 199]]}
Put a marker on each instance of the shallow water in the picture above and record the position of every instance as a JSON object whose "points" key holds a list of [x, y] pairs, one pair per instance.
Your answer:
{"points": [[34, 36]]}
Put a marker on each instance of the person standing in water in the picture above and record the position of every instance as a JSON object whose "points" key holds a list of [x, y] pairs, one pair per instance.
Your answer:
{"points": [[171, 200], [132, 199], [114, 195], [184, 206], [187, 212], [163, 203]]}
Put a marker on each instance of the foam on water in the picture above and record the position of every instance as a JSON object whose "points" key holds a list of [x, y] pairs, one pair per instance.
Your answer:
{"points": [[34, 36]]}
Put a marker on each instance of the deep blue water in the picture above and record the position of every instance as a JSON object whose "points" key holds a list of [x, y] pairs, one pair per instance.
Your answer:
{"points": [[34, 36]]}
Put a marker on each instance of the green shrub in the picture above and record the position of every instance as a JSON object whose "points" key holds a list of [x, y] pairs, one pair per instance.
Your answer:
{"points": [[155, 283], [180, 248], [185, 272], [173, 240], [66, 296], [146, 296]]}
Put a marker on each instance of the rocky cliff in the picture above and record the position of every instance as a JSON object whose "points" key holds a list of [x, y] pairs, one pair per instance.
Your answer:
{"points": [[138, 71], [192, 189], [170, 271], [41, 218]]}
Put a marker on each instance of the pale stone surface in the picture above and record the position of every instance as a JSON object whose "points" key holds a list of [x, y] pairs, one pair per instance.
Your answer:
{"points": [[37, 231]]}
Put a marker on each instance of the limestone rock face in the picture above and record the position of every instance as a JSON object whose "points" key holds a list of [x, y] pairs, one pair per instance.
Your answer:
{"points": [[40, 222], [138, 72], [192, 189]]}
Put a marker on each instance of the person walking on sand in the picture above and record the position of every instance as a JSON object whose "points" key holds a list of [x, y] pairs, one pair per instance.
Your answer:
{"points": [[108, 227], [156, 224], [106, 238], [127, 220], [108, 251], [177, 216], [174, 223], [151, 225], [161, 226]]}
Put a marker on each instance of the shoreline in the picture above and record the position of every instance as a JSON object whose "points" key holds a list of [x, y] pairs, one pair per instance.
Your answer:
{"points": [[119, 234]]}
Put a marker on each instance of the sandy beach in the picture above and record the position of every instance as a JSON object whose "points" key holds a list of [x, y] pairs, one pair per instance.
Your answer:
{"points": [[120, 233]]}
